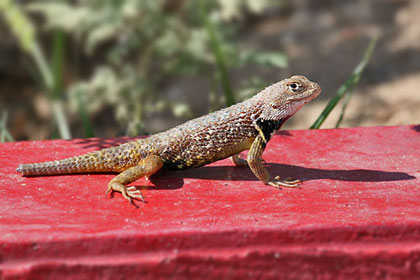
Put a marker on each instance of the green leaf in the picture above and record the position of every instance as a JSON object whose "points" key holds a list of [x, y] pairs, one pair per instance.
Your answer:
{"points": [[19, 23], [23, 29], [4, 132], [100, 34], [60, 15], [216, 47], [269, 59], [86, 123], [347, 87]]}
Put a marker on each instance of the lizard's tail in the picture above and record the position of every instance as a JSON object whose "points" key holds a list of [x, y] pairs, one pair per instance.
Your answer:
{"points": [[44, 168], [99, 161]]}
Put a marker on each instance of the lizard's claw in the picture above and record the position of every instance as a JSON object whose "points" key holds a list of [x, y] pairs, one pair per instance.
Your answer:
{"points": [[277, 183], [130, 193], [133, 192]]}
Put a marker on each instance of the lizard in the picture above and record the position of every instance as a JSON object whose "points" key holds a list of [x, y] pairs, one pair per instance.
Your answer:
{"points": [[248, 125]]}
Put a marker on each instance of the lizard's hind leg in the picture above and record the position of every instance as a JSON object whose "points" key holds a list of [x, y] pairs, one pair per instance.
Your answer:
{"points": [[238, 161], [146, 167]]}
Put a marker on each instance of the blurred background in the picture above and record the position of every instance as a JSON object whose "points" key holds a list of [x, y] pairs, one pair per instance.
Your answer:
{"points": [[104, 68]]}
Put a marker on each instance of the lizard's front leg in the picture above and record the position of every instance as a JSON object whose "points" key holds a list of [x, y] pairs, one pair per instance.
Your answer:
{"points": [[257, 167], [146, 167]]}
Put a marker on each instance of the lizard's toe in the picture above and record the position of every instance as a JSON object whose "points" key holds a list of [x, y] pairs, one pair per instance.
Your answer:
{"points": [[277, 183], [129, 193], [134, 193]]}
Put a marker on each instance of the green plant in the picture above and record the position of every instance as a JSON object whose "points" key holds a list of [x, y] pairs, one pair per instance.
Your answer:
{"points": [[142, 44], [49, 77], [134, 47], [346, 89], [4, 132]]}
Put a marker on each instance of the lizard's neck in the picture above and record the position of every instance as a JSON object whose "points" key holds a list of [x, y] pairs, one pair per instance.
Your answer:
{"points": [[268, 127]]}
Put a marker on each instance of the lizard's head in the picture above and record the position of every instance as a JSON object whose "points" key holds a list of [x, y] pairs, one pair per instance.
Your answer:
{"points": [[300, 89], [285, 98]]}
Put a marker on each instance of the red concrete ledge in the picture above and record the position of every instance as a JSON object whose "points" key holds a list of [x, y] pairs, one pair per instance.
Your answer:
{"points": [[357, 214]]}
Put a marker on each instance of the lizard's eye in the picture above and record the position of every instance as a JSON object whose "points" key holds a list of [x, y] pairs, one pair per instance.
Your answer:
{"points": [[295, 87]]}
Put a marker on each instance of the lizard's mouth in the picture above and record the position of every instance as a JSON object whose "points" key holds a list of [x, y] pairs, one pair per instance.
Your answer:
{"points": [[316, 90]]}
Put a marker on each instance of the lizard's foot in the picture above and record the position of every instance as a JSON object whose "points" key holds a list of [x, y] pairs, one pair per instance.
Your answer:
{"points": [[277, 183], [130, 193]]}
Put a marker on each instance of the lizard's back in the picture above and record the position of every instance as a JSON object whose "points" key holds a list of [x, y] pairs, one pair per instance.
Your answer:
{"points": [[209, 138], [195, 143]]}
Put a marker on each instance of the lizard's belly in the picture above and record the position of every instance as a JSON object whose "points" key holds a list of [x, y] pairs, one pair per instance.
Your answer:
{"points": [[198, 155]]}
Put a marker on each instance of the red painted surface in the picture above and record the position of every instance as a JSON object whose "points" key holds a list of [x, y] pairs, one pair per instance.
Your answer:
{"points": [[357, 214]]}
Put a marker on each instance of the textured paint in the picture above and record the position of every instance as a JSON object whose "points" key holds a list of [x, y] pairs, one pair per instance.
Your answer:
{"points": [[357, 214]]}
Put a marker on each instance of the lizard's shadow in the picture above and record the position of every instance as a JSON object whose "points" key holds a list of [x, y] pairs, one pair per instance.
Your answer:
{"points": [[175, 179]]}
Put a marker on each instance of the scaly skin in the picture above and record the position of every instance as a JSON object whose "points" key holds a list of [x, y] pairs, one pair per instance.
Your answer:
{"points": [[245, 126]]}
